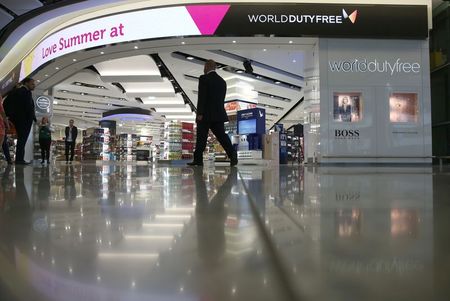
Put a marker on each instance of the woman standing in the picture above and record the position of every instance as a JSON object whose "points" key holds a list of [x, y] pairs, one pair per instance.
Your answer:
{"points": [[45, 139], [4, 126]]}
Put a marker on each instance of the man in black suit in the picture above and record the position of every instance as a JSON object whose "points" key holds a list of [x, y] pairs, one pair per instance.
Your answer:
{"points": [[19, 107], [211, 114], [71, 137]]}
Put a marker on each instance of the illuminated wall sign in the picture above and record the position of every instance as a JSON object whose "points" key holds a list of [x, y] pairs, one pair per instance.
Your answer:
{"points": [[375, 66], [295, 20], [43, 104]]}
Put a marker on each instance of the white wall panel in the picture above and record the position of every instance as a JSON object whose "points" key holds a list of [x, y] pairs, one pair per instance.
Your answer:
{"points": [[379, 140]]}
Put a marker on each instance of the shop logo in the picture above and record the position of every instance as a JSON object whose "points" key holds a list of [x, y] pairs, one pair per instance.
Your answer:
{"points": [[43, 103], [352, 16], [346, 134], [374, 66]]}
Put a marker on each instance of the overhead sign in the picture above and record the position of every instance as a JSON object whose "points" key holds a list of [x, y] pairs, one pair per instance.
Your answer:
{"points": [[287, 20], [43, 104]]}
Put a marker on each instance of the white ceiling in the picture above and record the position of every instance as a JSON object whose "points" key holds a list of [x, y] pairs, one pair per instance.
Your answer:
{"points": [[140, 77]]}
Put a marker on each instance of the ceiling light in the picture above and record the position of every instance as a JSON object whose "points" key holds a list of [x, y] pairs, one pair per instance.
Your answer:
{"points": [[290, 42], [46, 75], [294, 61], [101, 52], [277, 82], [190, 58], [264, 49], [38, 81], [182, 43], [82, 93], [234, 42], [136, 47], [74, 60], [78, 84], [258, 77], [55, 102], [151, 97], [57, 68]]}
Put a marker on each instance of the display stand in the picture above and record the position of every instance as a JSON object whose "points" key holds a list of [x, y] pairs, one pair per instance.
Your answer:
{"points": [[187, 147], [126, 147], [172, 141]]}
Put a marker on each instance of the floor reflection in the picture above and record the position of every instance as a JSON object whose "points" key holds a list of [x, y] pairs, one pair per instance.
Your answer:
{"points": [[127, 232]]}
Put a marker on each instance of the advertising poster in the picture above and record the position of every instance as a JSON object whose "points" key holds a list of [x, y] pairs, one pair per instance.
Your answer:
{"points": [[347, 107]]}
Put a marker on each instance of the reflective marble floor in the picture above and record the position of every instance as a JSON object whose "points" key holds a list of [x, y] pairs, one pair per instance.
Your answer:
{"points": [[124, 232]]}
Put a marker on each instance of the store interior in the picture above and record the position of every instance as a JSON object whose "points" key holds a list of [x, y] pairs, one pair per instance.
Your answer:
{"points": [[146, 94]]}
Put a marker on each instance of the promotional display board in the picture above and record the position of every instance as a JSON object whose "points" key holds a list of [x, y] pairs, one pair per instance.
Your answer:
{"points": [[287, 20], [375, 101]]}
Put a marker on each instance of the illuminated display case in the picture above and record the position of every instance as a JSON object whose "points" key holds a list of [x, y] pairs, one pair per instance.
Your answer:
{"points": [[404, 107], [347, 107]]}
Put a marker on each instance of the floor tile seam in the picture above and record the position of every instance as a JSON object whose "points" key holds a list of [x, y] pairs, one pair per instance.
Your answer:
{"points": [[276, 258]]}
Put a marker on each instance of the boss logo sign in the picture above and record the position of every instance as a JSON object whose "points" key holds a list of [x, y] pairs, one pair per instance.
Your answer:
{"points": [[346, 134]]}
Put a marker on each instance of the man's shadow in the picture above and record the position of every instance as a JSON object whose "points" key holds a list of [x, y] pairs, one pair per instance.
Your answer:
{"points": [[210, 216]]}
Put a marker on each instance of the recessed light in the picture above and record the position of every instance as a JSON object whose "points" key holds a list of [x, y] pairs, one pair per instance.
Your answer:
{"points": [[136, 47], [101, 52], [190, 58], [258, 77], [234, 42], [82, 93], [277, 82], [294, 61], [264, 49], [46, 75], [74, 60], [57, 68], [290, 42], [182, 43]]}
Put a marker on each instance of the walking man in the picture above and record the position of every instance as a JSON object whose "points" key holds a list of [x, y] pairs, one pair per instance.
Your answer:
{"points": [[71, 137], [211, 114]]}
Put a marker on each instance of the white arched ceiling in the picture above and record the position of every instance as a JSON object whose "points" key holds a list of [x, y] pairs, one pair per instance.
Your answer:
{"points": [[139, 76]]}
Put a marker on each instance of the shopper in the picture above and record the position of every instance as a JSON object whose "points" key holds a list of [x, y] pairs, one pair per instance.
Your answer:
{"points": [[45, 139], [71, 137], [211, 114], [4, 126], [19, 107]]}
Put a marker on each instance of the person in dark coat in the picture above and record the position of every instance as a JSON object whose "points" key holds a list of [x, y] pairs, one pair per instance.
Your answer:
{"points": [[71, 137], [211, 114], [19, 107]]}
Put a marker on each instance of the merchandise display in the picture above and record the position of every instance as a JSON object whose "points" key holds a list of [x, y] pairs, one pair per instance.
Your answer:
{"points": [[172, 140], [143, 148], [126, 147], [98, 144], [188, 138]]}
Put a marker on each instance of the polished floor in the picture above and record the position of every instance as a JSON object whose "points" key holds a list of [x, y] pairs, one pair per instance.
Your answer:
{"points": [[126, 232]]}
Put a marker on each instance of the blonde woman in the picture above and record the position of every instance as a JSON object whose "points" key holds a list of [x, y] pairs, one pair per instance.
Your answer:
{"points": [[45, 139]]}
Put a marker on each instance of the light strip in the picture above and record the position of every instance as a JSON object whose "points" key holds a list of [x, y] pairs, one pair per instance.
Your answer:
{"points": [[149, 237], [128, 255], [184, 117], [172, 216], [179, 209], [163, 225]]}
